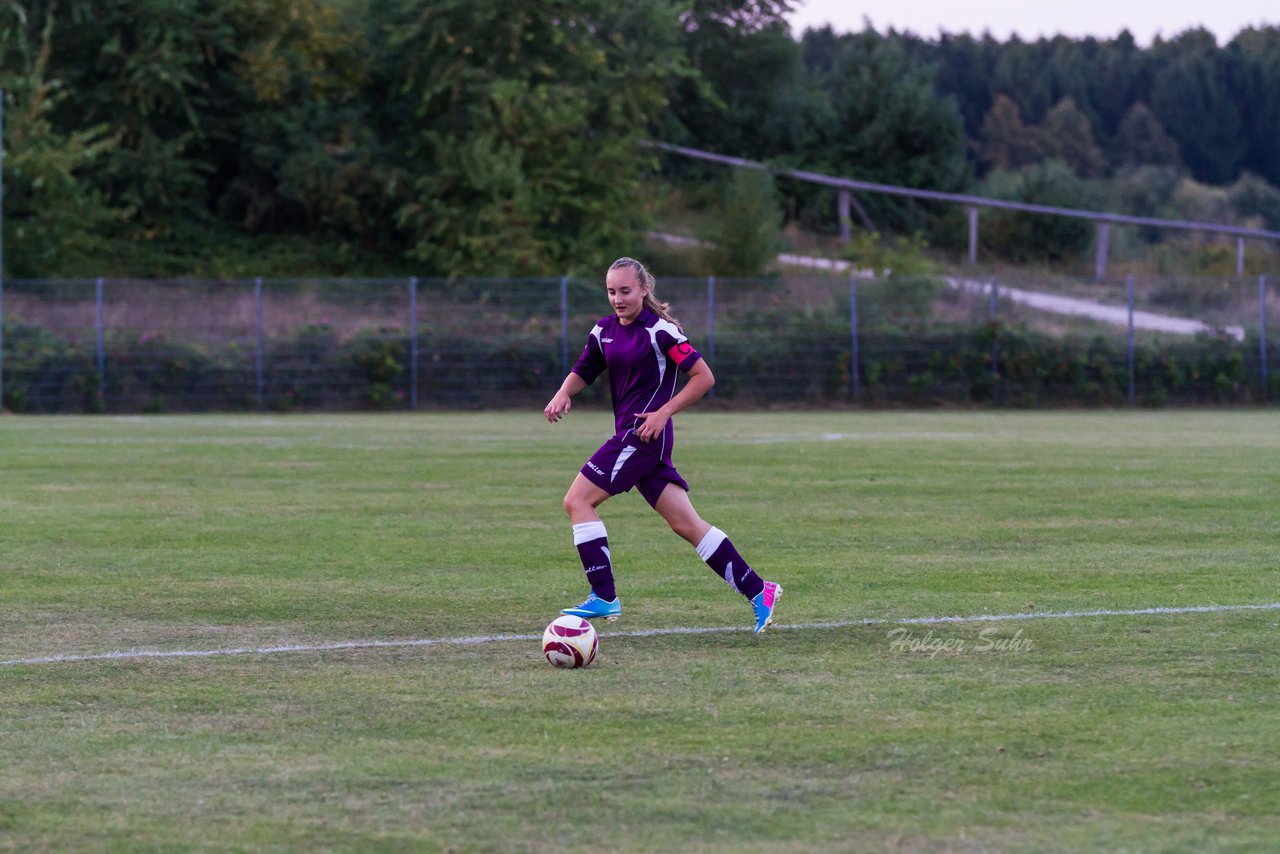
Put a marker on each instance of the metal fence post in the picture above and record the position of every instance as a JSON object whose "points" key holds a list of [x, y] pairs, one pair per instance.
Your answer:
{"points": [[102, 350], [564, 326], [257, 339], [995, 332], [1129, 296], [711, 317], [1239, 256], [853, 337], [413, 342], [1262, 334], [711, 323]]}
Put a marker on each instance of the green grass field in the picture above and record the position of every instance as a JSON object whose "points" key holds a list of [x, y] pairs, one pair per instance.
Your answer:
{"points": [[1124, 732]]}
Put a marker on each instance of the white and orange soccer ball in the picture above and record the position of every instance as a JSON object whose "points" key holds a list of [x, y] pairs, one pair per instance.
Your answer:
{"points": [[570, 642]]}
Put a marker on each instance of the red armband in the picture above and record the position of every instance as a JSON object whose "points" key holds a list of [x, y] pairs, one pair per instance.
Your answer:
{"points": [[680, 352]]}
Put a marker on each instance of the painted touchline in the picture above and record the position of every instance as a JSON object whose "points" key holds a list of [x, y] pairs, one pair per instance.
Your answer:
{"points": [[640, 633]]}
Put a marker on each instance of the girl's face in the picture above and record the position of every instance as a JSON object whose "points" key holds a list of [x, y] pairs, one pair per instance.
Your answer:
{"points": [[626, 295]]}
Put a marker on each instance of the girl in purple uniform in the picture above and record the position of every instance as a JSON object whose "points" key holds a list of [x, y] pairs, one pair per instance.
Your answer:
{"points": [[643, 347]]}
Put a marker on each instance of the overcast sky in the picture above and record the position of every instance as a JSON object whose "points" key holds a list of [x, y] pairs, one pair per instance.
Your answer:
{"points": [[1145, 19]]}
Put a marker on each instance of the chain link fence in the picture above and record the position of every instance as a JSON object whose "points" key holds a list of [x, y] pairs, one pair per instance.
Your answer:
{"points": [[122, 346]]}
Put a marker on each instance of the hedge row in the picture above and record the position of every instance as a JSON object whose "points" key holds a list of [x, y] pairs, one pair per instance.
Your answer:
{"points": [[804, 359]]}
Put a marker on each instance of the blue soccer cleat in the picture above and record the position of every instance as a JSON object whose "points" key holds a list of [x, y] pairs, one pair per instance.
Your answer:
{"points": [[595, 608], [764, 603]]}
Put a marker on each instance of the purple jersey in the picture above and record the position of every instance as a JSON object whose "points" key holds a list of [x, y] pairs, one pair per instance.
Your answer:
{"points": [[642, 358]]}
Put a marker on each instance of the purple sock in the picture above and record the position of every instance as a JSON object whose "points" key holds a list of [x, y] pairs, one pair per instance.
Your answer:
{"points": [[724, 559], [593, 548]]}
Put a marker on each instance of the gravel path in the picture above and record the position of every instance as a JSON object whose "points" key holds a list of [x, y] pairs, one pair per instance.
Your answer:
{"points": [[1117, 315]]}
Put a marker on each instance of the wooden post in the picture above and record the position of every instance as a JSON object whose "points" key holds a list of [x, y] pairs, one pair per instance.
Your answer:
{"points": [[843, 198], [973, 236], [1100, 263]]}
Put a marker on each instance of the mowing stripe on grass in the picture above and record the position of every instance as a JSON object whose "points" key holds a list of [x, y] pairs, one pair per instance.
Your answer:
{"points": [[641, 633]]}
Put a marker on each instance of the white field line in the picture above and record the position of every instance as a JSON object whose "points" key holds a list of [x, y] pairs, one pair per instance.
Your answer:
{"points": [[641, 633]]}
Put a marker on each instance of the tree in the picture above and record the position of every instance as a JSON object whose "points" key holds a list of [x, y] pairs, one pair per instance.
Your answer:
{"points": [[966, 66], [1007, 144], [1119, 77], [888, 124], [1142, 140], [54, 218], [1193, 98], [1255, 53], [1021, 73], [1068, 136], [1067, 65], [303, 152], [525, 124], [748, 94], [150, 70]]}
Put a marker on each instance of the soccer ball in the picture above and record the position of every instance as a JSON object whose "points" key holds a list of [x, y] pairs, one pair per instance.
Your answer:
{"points": [[570, 642]]}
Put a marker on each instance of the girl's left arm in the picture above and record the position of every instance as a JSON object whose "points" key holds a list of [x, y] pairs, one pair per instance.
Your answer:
{"points": [[699, 382]]}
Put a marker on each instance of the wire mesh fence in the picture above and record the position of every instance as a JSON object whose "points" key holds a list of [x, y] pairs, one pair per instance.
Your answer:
{"points": [[154, 346]]}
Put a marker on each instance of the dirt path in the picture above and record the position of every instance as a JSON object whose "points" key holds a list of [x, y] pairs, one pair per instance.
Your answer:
{"points": [[1117, 315], [1114, 314]]}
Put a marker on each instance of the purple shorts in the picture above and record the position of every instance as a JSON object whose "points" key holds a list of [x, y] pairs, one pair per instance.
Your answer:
{"points": [[618, 466]]}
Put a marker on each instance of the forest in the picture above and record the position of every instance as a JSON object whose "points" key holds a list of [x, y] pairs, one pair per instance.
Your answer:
{"points": [[503, 137]]}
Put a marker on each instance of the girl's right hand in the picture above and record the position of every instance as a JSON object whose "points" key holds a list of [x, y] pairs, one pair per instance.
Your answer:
{"points": [[558, 407]]}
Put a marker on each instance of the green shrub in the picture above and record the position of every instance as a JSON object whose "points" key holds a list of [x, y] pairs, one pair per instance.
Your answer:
{"points": [[770, 353], [746, 233], [1023, 237]]}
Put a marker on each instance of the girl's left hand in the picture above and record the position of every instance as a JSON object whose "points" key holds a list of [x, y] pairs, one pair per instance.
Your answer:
{"points": [[652, 425]]}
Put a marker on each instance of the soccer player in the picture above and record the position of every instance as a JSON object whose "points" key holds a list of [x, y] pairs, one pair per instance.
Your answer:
{"points": [[643, 347]]}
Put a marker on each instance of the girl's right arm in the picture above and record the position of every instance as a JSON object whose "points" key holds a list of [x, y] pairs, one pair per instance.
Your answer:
{"points": [[559, 405]]}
